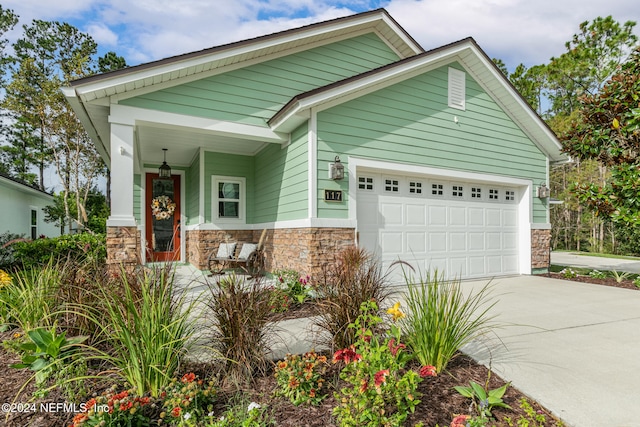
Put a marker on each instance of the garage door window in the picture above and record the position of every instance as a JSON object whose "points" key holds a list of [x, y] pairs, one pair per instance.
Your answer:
{"points": [[456, 191], [365, 183], [476, 193], [510, 195], [494, 194], [415, 187], [391, 185], [437, 190]]}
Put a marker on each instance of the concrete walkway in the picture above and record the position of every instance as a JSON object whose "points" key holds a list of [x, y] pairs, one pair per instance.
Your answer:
{"points": [[573, 347], [597, 263]]}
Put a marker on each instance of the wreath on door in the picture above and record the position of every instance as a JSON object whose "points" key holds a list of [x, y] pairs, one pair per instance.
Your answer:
{"points": [[162, 207]]}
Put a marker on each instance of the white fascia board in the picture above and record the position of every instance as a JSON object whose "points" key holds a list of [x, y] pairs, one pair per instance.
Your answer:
{"points": [[402, 35], [127, 114], [295, 223], [371, 83], [25, 188]]}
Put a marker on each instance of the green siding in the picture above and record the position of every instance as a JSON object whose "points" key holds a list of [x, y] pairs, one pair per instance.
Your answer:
{"points": [[254, 94], [137, 193], [282, 180], [410, 122], [192, 187], [229, 165]]}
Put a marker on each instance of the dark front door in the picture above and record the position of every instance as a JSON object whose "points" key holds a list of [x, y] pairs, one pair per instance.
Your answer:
{"points": [[162, 218]]}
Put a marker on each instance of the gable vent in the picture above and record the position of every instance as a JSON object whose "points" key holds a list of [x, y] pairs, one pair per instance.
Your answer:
{"points": [[456, 89]]}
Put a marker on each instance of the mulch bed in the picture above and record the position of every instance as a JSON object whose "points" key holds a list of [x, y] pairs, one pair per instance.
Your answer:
{"points": [[609, 281]]}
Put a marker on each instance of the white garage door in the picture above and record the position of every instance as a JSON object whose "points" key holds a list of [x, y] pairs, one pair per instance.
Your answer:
{"points": [[464, 229]]}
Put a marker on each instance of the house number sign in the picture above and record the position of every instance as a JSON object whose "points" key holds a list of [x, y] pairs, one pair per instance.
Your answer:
{"points": [[332, 195]]}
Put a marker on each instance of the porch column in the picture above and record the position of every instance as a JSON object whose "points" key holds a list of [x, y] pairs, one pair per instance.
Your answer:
{"points": [[123, 243]]}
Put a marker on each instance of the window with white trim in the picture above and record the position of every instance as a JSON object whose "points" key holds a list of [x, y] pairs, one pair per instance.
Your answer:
{"points": [[228, 199], [415, 187], [457, 191], [457, 88], [509, 195], [494, 194], [476, 193], [365, 183], [437, 190], [391, 185]]}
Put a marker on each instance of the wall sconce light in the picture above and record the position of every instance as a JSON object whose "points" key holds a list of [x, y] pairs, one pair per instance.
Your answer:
{"points": [[164, 170], [543, 191], [336, 170]]}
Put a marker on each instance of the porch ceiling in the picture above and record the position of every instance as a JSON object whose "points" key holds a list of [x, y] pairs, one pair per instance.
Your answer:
{"points": [[183, 144]]}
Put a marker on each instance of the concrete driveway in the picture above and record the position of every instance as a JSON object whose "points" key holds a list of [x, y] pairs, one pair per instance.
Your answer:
{"points": [[573, 347], [597, 263]]}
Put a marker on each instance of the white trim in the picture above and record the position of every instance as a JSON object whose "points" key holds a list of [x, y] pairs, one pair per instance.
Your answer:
{"points": [[242, 201], [295, 223], [312, 162], [124, 114], [540, 226], [524, 192], [121, 221], [456, 99], [201, 192]]}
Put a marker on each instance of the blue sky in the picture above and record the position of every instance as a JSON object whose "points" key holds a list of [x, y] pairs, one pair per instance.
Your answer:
{"points": [[517, 31]]}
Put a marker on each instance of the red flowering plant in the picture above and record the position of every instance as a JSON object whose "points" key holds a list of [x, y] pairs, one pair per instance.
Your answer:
{"points": [[382, 391], [300, 378], [187, 401], [112, 409]]}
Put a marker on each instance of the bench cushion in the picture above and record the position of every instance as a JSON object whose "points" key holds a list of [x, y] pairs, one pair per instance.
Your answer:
{"points": [[247, 249], [226, 250]]}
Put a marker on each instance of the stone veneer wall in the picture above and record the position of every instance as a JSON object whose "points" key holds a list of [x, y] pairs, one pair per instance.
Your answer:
{"points": [[540, 246], [305, 250], [123, 248]]}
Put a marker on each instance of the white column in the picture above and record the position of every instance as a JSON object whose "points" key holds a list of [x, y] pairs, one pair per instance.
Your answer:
{"points": [[122, 167]]}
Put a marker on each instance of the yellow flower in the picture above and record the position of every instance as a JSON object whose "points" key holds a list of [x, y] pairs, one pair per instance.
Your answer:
{"points": [[396, 312], [5, 279]]}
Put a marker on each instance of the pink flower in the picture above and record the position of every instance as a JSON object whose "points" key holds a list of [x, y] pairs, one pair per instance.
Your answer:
{"points": [[428, 371], [459, 421], [380, 377], [347, 355], [394, 348]]}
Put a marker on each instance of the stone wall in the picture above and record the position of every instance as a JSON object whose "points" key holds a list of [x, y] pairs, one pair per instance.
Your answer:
{"points": [[540, 246], [123, 248], [305, 250]]}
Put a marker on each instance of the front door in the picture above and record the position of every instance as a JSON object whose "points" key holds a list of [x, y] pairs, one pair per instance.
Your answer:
{"points": [[162, 203]]}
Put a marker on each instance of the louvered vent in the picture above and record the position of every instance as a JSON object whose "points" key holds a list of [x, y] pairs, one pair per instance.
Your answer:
{"points": [[456, 89]]}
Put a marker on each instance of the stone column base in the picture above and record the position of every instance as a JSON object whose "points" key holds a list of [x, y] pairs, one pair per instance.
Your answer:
{"points": [[540, 247], [123, 248]]}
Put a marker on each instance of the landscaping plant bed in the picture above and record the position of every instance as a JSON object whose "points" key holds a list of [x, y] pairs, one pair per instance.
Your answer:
{"points": [[608, 281], [439, 401]]}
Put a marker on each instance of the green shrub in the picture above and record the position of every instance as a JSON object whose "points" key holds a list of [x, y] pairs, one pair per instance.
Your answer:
{"points": [[145, 325], [440, 319], [80, 247], [7, 259], [300, 378], [297, 287], [240, 310], [31, 300], [354, 278]]}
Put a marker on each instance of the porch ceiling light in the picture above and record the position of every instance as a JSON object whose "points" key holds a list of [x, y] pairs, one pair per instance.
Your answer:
{"points": [[164, 170], [337, 170]]}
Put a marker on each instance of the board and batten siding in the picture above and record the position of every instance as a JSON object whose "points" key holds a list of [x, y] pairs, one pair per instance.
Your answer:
{"points": [[282, 181], [410, 122], [254, 94], [231, 165], [192, 186]]}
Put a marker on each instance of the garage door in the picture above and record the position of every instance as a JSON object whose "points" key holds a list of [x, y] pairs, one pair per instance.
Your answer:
{"points": [[464, 229]]}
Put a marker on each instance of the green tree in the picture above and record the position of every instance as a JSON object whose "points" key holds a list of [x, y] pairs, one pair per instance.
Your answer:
{"points": [[608, 130], [49, 55], [96, 209]]}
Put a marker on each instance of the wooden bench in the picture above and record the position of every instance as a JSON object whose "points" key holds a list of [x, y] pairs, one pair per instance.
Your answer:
{"points": [[248, 256]]}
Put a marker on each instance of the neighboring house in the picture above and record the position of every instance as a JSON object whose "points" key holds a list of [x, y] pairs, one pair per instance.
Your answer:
{"points": [[21, 209], [442, 158]]}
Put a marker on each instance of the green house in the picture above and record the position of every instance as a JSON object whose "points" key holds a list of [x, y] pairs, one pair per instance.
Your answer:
{"points": [[335, 134]]}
